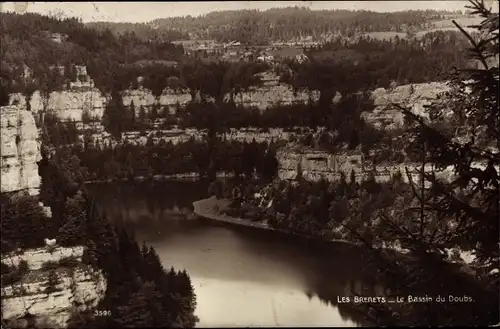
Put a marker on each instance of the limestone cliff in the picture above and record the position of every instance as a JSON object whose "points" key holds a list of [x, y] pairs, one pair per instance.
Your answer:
{"points": [[143, 97], [314, 165], [20, 151], [273, 93], [259, 135], [70, 104], [67, 104], [78, 287], [417, 96], [176, 135]]}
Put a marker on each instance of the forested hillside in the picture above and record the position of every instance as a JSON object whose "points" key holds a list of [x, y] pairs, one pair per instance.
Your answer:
{"points": [[143, 31], [29, 39], [281, 24]]}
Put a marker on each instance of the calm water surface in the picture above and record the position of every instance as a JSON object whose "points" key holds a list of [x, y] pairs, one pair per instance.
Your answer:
{"points": [[241, 276]]}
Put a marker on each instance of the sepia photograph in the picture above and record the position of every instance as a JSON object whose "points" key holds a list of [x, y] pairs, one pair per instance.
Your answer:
{"points": [[239, 164]]}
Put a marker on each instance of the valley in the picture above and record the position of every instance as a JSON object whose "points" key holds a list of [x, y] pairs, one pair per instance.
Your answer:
{"points": [[150, 169]]}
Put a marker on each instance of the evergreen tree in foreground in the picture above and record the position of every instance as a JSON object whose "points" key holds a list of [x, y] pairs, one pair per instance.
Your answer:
{"points": [[467, 206], [460, 214]]}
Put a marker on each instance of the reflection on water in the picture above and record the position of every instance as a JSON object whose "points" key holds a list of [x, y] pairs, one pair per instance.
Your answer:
{"points": [[242, 276]]}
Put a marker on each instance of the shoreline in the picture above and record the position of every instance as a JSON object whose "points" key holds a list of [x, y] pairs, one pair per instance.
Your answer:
{"points": [[204, 208], [190, 176]]}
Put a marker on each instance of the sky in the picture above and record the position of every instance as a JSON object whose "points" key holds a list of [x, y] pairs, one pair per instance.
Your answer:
{"points": [[147, 11]]}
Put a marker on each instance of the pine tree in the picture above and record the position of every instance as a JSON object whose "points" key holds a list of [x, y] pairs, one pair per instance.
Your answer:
{"points": [[475, 97], [74, 226], [352, 178], [154, 112], [132, 112], [459, 213], [52, 281], [270, 164], [142, 115], [114, 115], [136, 312]]}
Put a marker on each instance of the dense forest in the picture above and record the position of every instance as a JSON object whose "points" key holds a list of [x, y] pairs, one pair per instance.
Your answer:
{"points": [[101, 161], [368, 63], [319, 209], [26, 40], [284, 24], [143, 31], [111, 58]]}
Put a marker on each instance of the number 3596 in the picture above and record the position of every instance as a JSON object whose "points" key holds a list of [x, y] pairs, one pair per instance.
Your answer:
{"points": [[102, 313]]}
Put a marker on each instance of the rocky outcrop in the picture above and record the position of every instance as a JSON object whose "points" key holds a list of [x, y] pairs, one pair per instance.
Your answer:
{"points": [[265, 97], [37, 257], [315, 165], [415, 96], [272, 93], [259, 135], [67, 105], [78, 287], [72, 103], [170, 99], [269, 94], [20, 151], [176, 136]]}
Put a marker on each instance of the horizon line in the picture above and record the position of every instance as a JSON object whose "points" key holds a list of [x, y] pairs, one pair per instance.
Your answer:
{"points": [[141, 12]]}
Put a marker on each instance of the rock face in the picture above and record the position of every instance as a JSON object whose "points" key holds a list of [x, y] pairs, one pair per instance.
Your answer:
{"points": [[176, 136], [72, 103], [78, 287], [315, 165], [37, 257], [417, 95], [67, 105], [143, 97], [249, 134], [268, 96], [20, 151]]}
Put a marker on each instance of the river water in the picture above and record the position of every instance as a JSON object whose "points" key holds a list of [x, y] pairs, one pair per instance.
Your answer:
{"points": [[242, 276]]}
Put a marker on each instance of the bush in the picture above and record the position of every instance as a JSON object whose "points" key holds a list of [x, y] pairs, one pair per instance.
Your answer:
{"points": [[86, 117], [52, 282], [50, 265], [23, 223], [69, 262], [88, 258], [23, 267], [5, 268], [10, 274]]}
